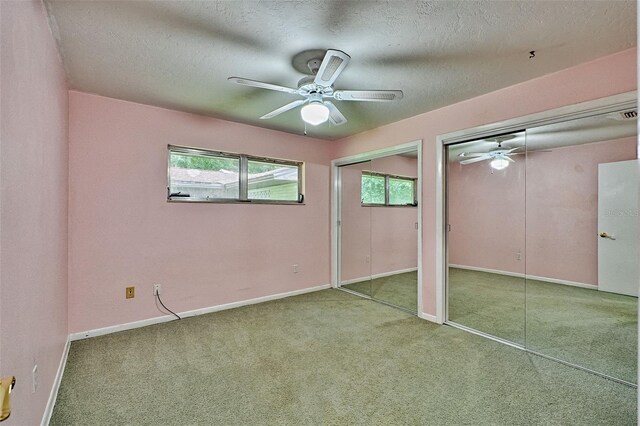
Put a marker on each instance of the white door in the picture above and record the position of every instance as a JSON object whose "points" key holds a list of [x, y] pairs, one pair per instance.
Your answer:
{"points": [[618, 227]]}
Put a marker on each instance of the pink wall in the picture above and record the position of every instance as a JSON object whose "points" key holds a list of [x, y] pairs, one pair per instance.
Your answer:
{"points": [[561, 212], [33, 206], [562, 208], [123, 232], [386, 234], [606, 76]]}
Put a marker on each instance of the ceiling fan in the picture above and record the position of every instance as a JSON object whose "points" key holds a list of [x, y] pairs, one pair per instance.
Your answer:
{"points": [[318, 87], [500, 157]]}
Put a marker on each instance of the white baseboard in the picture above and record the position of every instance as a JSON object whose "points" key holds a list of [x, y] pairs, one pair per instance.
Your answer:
{"points": [[53, 395], [530, 277], [565, 282], [380, 275], [428, 317], [492, 271], [195, 312]]}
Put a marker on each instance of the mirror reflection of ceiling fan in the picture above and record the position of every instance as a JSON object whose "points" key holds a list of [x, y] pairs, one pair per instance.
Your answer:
{"points": [[318, 87], [499, 158]]}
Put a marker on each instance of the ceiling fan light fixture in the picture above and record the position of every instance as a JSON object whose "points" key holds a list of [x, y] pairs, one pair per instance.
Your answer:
{"points": [[499, 163], [314, 113]]}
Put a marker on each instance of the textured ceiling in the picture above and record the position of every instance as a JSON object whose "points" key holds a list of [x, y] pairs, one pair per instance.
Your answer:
{"points": [[179, 54]]}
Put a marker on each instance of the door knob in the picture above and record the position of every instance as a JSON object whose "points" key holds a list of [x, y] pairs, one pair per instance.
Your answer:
{"points": [[6, 386], [605, 235]]}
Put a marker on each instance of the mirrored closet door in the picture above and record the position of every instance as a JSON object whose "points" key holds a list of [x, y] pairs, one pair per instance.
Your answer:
{"points": [[394, 231], [543, 244], [486, 210], [355, 230], [378, 223]]}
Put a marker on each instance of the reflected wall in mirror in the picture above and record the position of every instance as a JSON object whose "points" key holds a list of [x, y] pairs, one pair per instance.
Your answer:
{"points": [[394, 232], [355, 230], [486, 239], [582, 179]]}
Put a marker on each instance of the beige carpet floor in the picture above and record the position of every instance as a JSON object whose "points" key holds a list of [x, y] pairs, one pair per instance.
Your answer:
{"points": [[399, 289], [325, 358]]}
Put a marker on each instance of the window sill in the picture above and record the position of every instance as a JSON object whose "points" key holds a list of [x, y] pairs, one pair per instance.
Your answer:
{"points": [[390, 205], [232, 201]]}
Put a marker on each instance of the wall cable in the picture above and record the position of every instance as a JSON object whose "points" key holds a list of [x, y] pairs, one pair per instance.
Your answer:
{"points": [[163, 305]]}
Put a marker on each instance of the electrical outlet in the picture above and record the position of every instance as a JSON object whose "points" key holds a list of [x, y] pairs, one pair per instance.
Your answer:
{"points": [[130, 292], [367, 259], [34, 379], [295, 268], [156, 289], [518, 256]]}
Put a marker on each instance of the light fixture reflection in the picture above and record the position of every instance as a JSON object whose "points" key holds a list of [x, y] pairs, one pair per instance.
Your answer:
{"points": [[315, 113], [499, 163]]}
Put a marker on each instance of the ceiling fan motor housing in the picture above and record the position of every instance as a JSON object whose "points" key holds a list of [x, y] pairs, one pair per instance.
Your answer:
{"points": [[307, 86], [315, 97], [314, 65]]}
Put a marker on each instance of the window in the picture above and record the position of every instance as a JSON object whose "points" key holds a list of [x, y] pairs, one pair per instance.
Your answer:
{"points": [[203, 176], [373, 188], [388, 190], [401, 191], [273, 181], [198, 175]]}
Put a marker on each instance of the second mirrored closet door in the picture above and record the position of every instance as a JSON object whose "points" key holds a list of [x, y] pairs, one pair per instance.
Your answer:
{"points": [[486, 210], [379, 229], [543, 240]]}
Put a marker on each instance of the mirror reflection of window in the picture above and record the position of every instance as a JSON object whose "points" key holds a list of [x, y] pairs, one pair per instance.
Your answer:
{"points": [[373, 188]]}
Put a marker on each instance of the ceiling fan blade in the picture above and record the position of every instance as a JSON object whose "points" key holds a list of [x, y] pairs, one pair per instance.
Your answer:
{"points": [[335, 116], [474, 160], [282, 109], [368, 95], [262, 85], [332, 65], [531, 151], [471, 154], [506, 157]]}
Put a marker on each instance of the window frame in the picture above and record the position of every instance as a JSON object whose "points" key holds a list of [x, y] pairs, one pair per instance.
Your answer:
{"points": [[243, 177], [388, 176]]}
